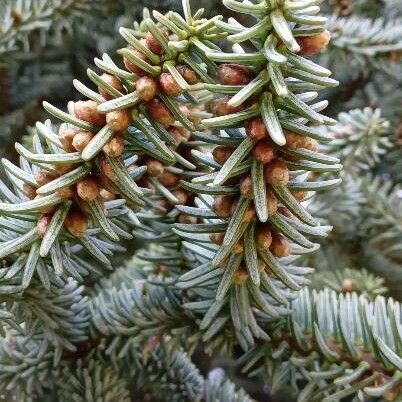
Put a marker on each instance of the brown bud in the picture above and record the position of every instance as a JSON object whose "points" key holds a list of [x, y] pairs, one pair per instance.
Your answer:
{"points": [[222, 206], [88, 189], [169, 179], [184, 218], [222, 153], [238, 247], [310, 45], [160, 112], [118, 120], [347, 286], [255, 129], [234, 74], [217, 238], [105, 183], [299, 195], [66, 136], [64, 168], [46, 210], [263, 152], [66, 192], [43, 224], [277, 173], [132, 66], [107, 170], [176, 134], [182, 196], [154, 167], [153, 45], [146, 88], [220, 107], [250, 213], [76, 223], [263, 237], [280, 246], [188, 74], [186, 134], [112, 81], [169, 85], [311, 144], [82, 139], [87, 111], [272, 202], [246, 187], [29, 191], [43, 177], [241, 276], [106, 195], [115, 146]]}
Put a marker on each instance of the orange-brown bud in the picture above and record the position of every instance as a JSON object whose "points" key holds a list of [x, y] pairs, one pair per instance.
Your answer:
{"points": [[76, 223], [217, 238], [311, 144], [220, 107], [255, 129], [66, 192], [43, 177], [118, 120], [66, 136], [238, 247], [115, 146], [280, 246], [299, 195], [176, 134], [168, 85], [29, 191], [181, 195], [169, 179], [160, 112], [107, 170], [310, 45], [43, 224], [272, 202], [153, 45], [82, 139], [87, 189], [106, 195], [246, 187], [347, 286], [234, 74], [87, 111], [146, 88], [277, 173], [263, 237], [112, 81], [46, 210], [241, 276], [184, 218], [105, 183], [263, 151], [64, 168], [154, 167], [222, 153], [250, 213], [188, 74], [132, 66], [222, 206]]}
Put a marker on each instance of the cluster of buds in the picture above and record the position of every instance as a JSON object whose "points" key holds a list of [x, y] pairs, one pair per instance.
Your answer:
{"points": [[265, 150]]}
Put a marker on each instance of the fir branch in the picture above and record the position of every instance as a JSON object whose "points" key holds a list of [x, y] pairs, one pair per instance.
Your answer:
{"points": [[340, 346], [359, 41]]}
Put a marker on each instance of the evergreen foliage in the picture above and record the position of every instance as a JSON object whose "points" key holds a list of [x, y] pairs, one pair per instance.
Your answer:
{"points": [[191, 202]]}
